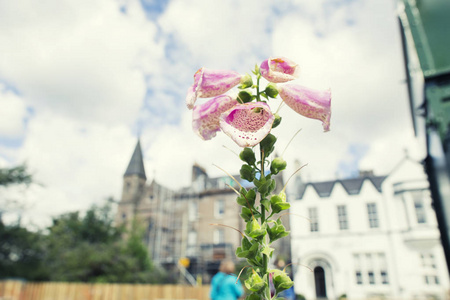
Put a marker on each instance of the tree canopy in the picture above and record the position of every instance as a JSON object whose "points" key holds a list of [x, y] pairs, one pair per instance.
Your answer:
{"points": [[77, 247]]}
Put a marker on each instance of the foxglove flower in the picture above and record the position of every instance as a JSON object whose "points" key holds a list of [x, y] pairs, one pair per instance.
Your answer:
{"points": [[279, 69], [308, 102], [247, 124], [205, 117], [210, 83]]}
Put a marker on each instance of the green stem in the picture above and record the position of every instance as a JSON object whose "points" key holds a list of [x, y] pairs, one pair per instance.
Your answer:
{"points": [[258, 97], [263, 221]]}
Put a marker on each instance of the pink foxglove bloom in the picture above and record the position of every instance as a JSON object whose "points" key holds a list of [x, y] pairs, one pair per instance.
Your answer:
{"points": [[247, 124], [205, 117], [279, 69], [308, 102], [211, 83]]}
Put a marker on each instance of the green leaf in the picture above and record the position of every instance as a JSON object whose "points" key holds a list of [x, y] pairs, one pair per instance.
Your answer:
{"points": [[251, 197], [254, 230], [266, 204], [264, 95], [277, 231], [247, 172], [246, 214], [267, 251]]}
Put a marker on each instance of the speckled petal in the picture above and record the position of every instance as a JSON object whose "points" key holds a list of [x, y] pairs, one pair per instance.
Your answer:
{"points": [[211, 83], [192, 92], [279, 69], [308, 102], [205, 117], [247, 124]]}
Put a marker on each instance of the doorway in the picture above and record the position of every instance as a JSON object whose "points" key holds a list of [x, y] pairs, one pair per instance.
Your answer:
{"points": [[319, 279]]}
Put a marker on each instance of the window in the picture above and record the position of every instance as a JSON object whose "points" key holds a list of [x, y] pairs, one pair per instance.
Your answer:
{"points": [[219, 208], [383, 268], [357, 265], [429, 268], [384, 277], [219, 236], [371, 277], [342, 217], [419, 207], [314, 221], [193, 211], [358, 277], [373, 215]]}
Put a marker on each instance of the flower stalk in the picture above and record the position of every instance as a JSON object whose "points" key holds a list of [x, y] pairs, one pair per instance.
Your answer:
{"points": [[248, 120]]}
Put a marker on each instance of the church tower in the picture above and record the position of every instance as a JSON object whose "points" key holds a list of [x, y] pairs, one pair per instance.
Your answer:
{"points": [[133, 186]]}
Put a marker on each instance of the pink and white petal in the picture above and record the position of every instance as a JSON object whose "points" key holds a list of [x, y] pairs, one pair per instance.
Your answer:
{"points": [[217, 82], [205, 117], [247, 124], [192, 93], [279, 69], [308, 102]]}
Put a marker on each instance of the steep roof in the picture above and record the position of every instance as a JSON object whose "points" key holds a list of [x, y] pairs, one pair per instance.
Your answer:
{"points": [[352, 186], [136, 165]]}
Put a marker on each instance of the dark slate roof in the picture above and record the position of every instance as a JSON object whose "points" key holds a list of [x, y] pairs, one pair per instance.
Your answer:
{"points": [[352, 186], [136, 165]]}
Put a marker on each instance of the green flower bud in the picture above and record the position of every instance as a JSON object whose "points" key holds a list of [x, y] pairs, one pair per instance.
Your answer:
{"points": [[247, 172], [277, 120], [281, 281], [245, 96], [248, 156], [278, 165], [268, 143], [255, 283], [246, 81], [271, 90]]}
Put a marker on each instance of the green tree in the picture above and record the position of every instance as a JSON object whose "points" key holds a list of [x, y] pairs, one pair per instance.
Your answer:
{"points": [[15, 175], [90, 248], [21, 253]]}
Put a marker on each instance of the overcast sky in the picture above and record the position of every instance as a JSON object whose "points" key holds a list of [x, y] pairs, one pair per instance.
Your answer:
{"points": [[81, 79]]}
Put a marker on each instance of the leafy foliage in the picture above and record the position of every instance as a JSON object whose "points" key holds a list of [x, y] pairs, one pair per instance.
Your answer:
{"points": [[83, 248], [16, 175]]}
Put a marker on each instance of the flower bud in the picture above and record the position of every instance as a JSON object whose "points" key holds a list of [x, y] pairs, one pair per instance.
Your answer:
{"points": [[271, 90], [248, 156], [244, 96], [278, 165], [246, 81], [254, 283], [277, 120]]}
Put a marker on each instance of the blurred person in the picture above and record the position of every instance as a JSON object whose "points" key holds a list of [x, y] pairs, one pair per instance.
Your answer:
{"points": [[224, 285]]}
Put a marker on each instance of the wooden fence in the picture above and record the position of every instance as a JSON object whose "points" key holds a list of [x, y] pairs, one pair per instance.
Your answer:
{"points": [[19, 290]]}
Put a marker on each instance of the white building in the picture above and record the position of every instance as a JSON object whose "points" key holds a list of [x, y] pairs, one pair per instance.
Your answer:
{"points": [[371, 236]]}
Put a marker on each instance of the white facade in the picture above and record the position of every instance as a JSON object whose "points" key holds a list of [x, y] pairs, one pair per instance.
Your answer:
{"points": [[373, 236]]}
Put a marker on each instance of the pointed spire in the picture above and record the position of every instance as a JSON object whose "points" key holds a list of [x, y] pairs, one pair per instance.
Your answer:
{"points": [[136, 165]]}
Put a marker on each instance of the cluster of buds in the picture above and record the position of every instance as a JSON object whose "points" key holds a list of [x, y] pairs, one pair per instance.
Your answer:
{"points": [[246, 117]]}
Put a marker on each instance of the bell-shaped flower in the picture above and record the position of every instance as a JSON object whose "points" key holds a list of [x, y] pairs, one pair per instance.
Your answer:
{"points": [[205, 117], [247, 124], [210, 83], [310, 103], [279, 69]]}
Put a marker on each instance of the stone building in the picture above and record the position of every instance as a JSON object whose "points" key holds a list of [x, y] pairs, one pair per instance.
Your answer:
{"points": [[178, 223], [370, 236]]}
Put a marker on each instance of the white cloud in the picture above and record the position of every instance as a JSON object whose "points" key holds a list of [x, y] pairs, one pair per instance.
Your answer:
{"points": [[80, 59], [12, 114]]}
